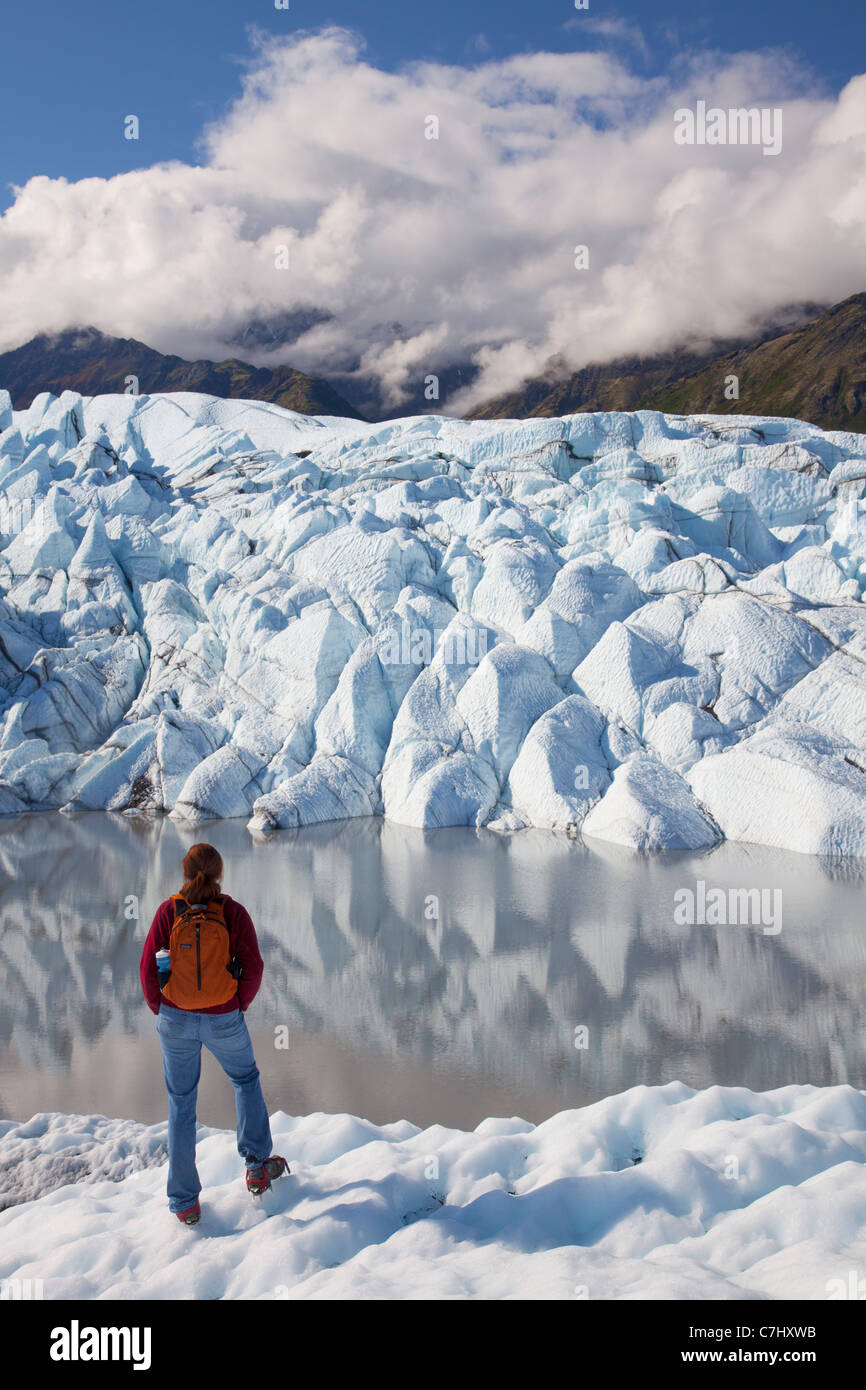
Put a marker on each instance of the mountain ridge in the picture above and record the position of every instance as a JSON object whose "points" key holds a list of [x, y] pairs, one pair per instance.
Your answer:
{"points": [[94, 363], [814, 370]]}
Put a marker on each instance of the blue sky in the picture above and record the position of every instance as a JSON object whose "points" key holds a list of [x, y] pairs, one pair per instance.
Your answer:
{"points": [[71, 72], [285, 193]]}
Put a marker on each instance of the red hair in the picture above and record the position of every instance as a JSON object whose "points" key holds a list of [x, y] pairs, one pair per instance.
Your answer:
{"points": [[202, 870]]}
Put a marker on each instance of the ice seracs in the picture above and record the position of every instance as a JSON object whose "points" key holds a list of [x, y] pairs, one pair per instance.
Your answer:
{"points": [[642, 627]]}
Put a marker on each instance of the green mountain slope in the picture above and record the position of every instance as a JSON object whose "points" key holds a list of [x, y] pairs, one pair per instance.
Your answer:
{"points": [[815, 371]]}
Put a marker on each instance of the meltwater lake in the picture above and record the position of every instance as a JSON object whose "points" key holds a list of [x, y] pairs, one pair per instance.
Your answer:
{"points": [[438, 976]]}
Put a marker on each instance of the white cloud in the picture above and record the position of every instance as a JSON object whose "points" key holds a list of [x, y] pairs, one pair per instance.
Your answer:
{"points": [[613, 29], [466, 242]]}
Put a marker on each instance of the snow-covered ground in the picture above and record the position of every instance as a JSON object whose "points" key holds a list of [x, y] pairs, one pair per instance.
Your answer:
{"points": [[657, 1193], [645, 627]]}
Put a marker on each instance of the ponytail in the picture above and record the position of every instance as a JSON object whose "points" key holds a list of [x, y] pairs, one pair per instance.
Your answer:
{"points": [[202, 870]]}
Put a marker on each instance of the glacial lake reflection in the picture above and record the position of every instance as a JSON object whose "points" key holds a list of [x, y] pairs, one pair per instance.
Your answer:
{"points": [[438, 976]]}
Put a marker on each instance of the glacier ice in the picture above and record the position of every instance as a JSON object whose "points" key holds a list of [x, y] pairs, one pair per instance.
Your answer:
{"points": [[642, 627]]}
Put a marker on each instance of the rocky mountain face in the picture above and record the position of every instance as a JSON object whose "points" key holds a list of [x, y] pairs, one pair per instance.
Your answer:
{"points": [[620, 385], [810, 364], [814, 371], [93, 364]]}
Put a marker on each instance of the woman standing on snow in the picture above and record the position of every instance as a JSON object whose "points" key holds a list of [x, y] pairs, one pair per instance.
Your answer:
{"points": [[208, 973]]}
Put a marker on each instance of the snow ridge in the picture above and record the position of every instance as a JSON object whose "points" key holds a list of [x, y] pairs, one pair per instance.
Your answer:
{"points": [[640, 627], [660, 1192]]}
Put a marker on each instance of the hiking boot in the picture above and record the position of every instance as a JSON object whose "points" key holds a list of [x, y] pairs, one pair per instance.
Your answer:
{"points": [[260, 1175], [191, 1215]]}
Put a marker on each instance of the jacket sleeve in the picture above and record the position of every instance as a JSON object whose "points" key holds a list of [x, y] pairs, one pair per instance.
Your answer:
{"points": [[245, 946], [157, 938]]}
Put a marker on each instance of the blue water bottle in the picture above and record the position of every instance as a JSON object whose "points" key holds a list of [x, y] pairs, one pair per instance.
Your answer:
{"points": [[163, 967]]}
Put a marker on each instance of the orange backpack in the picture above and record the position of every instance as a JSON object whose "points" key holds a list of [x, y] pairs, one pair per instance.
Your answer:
{"points": [[200, 956]]}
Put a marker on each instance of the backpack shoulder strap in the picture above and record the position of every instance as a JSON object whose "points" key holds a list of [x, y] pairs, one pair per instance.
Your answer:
{"points": [[181, 906]]}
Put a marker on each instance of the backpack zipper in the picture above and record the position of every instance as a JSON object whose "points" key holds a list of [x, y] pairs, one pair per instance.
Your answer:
{"points": [[197, 956]]}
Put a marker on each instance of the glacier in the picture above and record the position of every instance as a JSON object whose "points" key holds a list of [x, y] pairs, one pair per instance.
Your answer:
{"points": [[643, 628]]}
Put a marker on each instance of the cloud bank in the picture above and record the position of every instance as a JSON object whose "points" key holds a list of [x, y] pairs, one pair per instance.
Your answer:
{"points": [[425, 252]]}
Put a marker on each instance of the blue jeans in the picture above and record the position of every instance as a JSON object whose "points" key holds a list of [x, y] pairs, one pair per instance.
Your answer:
{"points": [[181, 1034]]}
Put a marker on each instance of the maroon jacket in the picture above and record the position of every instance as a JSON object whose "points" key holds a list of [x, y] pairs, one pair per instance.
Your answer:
{"points": [[243, 944]]}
